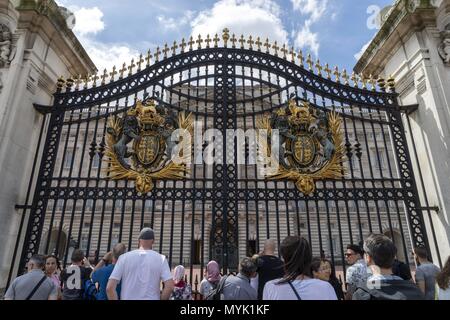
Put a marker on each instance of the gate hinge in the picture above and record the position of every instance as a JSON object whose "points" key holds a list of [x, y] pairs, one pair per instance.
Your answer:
{"points": [[436, 208], [42, 109], [409, 108], [22, 206]]}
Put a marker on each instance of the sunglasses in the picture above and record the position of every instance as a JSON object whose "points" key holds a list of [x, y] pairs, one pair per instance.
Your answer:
{"points": [[349, 254]]}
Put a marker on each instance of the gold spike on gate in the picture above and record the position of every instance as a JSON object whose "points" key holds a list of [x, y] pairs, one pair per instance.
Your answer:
{"points": [[250, 42], [276, 48], [191, 43], [225, 36], [112, 74], [292, 53], [242, 41], [140, 61], [301, 58], [345, 77], [310, 62], [174, 48], [233, 41], [183, 45], [337, 74], [284, 51], [69, 84], [104, 76], [267, 45], [94, 79], [381, 83], [199, 42], [216, 41], [165, 50], [258, 44], [86, 80], [391, 83], [208, 40], [355, 80], [328, 71], [319, 68], [78, 82], [363, 81], [157, 53], [122, 71], [130, 67]]}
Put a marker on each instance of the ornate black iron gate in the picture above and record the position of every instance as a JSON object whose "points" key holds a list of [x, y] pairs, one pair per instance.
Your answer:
{"points": [[225, 210]]}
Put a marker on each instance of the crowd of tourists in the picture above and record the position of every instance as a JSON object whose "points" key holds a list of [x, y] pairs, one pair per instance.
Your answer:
{"points": [[374, 273]]}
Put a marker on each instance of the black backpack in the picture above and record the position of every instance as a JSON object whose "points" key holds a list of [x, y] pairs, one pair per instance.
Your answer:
{"points": [[215, 294]]}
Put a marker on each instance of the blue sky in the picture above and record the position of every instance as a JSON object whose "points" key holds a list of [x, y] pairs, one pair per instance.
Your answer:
{"points": [[116, 30]]}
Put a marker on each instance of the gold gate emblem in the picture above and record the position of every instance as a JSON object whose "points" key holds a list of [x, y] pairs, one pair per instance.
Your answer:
{"points": [[310, 147]]}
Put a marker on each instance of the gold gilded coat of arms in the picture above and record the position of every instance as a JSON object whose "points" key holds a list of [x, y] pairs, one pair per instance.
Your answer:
{"points": [[310, 145], [148, 128]]}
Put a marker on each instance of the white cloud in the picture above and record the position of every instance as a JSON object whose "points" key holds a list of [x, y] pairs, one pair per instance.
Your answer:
{"points": [[313, 8], [170, 24], [88, 21], [107, 55], [249, 17], [307, 39], [363, 49]]}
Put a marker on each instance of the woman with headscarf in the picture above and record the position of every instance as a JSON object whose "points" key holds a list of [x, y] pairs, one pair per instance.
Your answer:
{"points": [[182, 290], [211, 279]]}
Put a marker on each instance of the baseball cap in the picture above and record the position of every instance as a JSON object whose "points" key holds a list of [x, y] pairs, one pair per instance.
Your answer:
{"points": [[147, 234]]}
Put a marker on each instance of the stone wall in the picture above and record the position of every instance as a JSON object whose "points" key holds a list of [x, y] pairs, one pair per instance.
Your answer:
{"points": [[35, 49]]}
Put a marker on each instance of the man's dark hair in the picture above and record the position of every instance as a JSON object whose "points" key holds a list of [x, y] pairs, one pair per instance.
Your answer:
{"points": [[381, 249], [356, 248], [77, 255], [248, 266], [297, 256], [38, 260], [421, 252]]}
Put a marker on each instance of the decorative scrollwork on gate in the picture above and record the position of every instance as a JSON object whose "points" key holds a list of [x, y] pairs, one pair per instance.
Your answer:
{"points": [[150, 128], [311, 145]]}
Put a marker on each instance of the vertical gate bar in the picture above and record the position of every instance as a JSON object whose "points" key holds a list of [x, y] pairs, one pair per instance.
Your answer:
{"points": [[419, 167], [91, 158], [194, 190], [380, 169], [361, 169], [349, 155], [255, 178], [102, 200], [77, 181], [43, 184], [61, 170], [27, 198], [411, 196]]}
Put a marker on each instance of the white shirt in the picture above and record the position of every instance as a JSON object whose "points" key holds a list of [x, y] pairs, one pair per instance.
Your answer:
{"points": [[311, 289], [141, 273]]}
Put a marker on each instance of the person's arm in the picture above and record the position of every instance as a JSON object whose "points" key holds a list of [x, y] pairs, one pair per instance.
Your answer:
{"points": [[54, 294], [10, 293], [111, 289], [107, 259], [168, 289], [420, 280]]}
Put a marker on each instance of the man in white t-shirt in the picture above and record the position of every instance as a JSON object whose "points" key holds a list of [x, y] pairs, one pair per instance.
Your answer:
{"points": [[141, 272]]}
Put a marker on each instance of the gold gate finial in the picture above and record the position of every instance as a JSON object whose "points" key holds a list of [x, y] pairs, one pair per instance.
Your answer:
{"points": [[242, 41], [208, 40], [337, 74], [267, 45], [165, 50], [225, 36], [276, 48], [183, 45], [191, 43], [258, 44], [216, 41], [199, 42], [284, 51], [112, 74], [104, 76], [140, 61], [250, 42], [327, 71]]}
